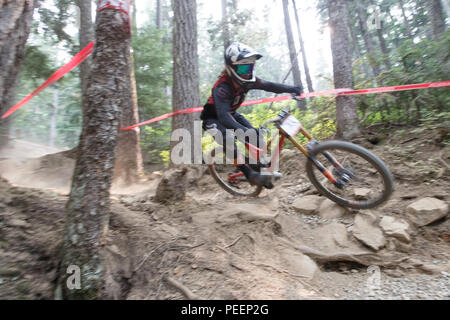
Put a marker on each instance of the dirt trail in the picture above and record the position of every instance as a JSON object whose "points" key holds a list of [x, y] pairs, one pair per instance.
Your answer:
{"points": [[214, 246]]}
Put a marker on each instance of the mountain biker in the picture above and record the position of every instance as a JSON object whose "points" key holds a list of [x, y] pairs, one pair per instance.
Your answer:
{"points": [[228, 93]]}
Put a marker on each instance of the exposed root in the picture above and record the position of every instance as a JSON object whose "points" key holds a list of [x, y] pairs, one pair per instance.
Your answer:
{"points": [[251, 217], [265, 265], [234, 242], [188, 293]]}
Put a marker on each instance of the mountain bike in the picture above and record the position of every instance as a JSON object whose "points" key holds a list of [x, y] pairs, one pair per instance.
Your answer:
{"points": [[344, 172]]}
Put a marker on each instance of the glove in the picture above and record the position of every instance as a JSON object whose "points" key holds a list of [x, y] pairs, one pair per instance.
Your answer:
{"points": [[298, 90]]}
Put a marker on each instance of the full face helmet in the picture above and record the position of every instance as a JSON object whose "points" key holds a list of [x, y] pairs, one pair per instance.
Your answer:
{"points": [[240, 61]]}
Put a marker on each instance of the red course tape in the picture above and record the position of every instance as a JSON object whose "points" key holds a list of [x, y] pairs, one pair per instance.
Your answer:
{"points": [[76, 60], [338, 92], [83, 54]]}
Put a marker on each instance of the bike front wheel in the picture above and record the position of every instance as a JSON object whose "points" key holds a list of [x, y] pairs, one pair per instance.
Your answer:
{"points": [[365, 181]]}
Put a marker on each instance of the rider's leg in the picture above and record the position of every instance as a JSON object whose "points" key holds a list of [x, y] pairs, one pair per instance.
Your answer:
{"points": [[232, 153], [242, 120]]}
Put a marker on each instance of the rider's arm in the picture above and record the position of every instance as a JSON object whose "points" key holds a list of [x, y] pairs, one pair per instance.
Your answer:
{"points": [[223, 98], [261, 84], [241, 119]]}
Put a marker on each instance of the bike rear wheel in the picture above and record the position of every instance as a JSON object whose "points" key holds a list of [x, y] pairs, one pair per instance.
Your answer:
{"points": [[239, 186], [370, 182]]}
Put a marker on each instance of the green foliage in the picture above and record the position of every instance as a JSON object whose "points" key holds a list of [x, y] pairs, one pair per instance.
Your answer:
{"points": [[36, 64], [165, 157], [424, 61], [154, 140], [153, 73]]}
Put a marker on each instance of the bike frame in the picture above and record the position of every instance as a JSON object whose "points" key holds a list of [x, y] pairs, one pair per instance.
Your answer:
{"points": [[256, 152]]}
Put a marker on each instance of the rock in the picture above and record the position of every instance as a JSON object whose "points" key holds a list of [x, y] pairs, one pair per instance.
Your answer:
{"points": [[331, 210], [333, 237], [396, 228], [365, 230], [299, 264], [307, 205], [361, 193], [237, 213], [402, 246], [172, 186], [426, 211]]}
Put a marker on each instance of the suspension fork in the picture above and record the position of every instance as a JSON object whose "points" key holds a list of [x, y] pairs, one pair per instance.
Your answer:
{"points": [[307, 153]]}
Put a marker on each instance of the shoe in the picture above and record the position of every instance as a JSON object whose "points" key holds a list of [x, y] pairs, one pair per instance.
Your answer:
{"points": [[256, 178], [264, 180]]}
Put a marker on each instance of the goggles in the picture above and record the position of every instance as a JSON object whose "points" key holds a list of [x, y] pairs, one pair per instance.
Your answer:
{"points": [[243, 69]]}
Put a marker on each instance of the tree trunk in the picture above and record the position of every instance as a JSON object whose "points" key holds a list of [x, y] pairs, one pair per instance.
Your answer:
{"points": [[54, 114], [134, 19], [86, 36], [397, 37], [186, 83], [302, 47], [293, 53], [405, 20], [362, 18], [437, 18], [158, 15], [356, 47], [15, 24], [225, 25], [88, 205], [346, 110], [129, 163], [384, 48]]}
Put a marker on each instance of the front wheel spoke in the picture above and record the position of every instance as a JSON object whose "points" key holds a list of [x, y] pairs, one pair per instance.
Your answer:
{"points": [[364, 180]]}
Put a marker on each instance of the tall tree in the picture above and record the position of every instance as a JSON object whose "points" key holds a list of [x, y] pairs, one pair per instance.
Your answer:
{"points": [[15, 24], [129, 163], [302, 48], [86, 36], [356, 46], [383, 45], [158, 14], [293, 52], [437, 18], [405, 20], [88, 205], [368, 41], [53, 116], [186, 83], [346, 111], [225, 25]]}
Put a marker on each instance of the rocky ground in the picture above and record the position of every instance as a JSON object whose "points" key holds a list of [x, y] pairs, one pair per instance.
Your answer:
{"points": [[289, 243]]}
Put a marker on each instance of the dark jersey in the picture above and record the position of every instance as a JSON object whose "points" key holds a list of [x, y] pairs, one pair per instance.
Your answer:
{"points": [[226, 99]]}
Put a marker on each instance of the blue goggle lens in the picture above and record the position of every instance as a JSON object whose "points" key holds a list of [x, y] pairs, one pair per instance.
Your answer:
{"points": [[244, 68]]}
